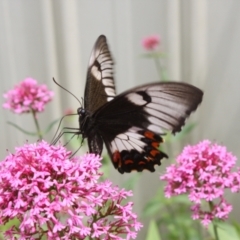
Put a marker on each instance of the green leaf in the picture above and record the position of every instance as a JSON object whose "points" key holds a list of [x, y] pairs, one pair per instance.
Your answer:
{"points": [[225, 231], [22, 130], [9, 224], [153, 232], [237, 227]]}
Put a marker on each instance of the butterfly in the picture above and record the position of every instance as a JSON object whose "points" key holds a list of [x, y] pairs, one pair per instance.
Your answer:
{"points": [[132, 123]]}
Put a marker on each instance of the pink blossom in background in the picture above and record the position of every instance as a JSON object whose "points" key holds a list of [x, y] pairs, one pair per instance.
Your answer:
{"points": [[55, 197], [27, 96], [151, 42], [203, 172], [68, 111]]}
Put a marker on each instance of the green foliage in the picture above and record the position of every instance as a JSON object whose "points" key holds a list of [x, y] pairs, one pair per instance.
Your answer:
{"points": [[236, 225], [225, 231], [153, 233], [3, 228], [173, 217]]}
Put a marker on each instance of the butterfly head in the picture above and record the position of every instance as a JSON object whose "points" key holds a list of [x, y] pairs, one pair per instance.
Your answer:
{"points": [[82, 115], [81, 111]]}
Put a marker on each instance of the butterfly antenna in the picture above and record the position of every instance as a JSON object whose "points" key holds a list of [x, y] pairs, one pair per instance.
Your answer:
{"points": [[82, 100], [67, 91]]}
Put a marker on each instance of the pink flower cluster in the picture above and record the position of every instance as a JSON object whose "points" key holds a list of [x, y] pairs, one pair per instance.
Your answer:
{"points": [[27, 96], [151, 42], [55, 197], [203, 172]]}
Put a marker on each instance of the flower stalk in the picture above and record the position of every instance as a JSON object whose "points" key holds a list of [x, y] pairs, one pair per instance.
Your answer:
{"points": [[211, 205], [151, 43], [161, 71], [39, 133]]}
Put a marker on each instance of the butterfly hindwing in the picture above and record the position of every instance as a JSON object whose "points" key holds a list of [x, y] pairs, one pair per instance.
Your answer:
{"points": [[136, 149]]}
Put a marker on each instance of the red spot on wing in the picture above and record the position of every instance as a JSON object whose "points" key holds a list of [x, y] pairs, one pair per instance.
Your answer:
{"points": [[155, 144], [129, 161], [116, 157], [154, 152], [149, 134]]}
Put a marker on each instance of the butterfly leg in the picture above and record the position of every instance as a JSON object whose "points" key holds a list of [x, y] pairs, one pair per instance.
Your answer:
{"points": [[65, 130]]}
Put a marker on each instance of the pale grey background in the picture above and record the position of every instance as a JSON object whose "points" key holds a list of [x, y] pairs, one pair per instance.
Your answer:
{"points": [[45, 39]]}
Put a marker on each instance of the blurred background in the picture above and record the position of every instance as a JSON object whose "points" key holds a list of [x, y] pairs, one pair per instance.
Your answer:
{"points": [[46, 39]]}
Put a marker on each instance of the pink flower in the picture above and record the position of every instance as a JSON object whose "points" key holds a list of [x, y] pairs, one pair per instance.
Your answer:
{"points": [[27, 96], [68, 111], [55, 197], [203, 172], [151, 42]]}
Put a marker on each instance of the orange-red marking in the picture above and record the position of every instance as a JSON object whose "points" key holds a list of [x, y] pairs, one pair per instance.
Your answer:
{"points": [[149, 134], [154, 152], [155, 144], [128, 161], [116, 156]]}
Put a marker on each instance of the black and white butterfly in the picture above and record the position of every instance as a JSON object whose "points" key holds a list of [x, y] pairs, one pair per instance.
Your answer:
{"points": [[131, 124]]}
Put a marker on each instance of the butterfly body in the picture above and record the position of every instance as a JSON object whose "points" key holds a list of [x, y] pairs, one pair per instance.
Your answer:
{"points": [[131, 124]]}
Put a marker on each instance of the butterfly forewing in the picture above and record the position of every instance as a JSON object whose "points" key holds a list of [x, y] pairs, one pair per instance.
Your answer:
{"points": [[161, 105], [100, 87]]}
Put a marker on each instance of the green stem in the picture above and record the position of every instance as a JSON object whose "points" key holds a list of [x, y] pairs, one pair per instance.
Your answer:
{"points": [[161, 71], [39, 133], [214, 225]]}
